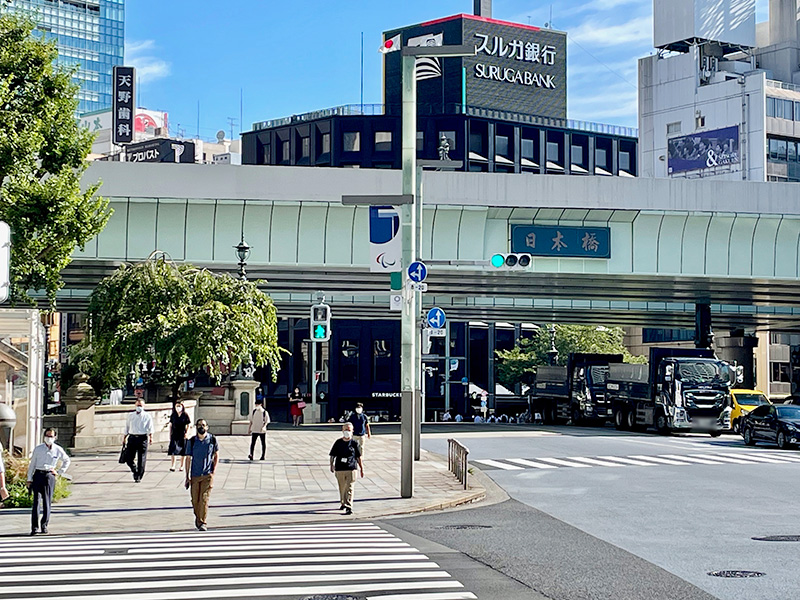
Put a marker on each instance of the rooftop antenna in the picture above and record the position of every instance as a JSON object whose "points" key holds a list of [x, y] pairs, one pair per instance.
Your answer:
{"points": [[549, 24], [232, 122]]}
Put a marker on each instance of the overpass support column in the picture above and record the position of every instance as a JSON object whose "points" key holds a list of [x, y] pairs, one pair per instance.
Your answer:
{"points": [[738, 348], [703, 336]]}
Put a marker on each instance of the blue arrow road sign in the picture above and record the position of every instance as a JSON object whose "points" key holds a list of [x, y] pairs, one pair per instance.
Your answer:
{"points": [[417, 271], [436, 318]]}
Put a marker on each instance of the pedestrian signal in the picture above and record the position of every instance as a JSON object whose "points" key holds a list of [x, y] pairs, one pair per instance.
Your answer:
{"points": [[510, 261], [320, 322]]}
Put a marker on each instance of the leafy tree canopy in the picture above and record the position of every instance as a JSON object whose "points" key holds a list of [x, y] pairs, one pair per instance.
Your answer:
{"points": [[182, 317], [519, 364], [42, 158]]}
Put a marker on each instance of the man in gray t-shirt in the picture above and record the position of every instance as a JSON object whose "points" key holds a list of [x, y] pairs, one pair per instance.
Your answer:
{"points": [[202, 456]]}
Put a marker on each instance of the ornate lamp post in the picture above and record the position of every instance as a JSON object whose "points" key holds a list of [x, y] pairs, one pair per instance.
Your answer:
{"points": [[242, 253]]}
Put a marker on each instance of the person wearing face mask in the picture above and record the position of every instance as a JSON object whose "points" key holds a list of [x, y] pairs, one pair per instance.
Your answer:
{"points": [[360, 423], [42, 477], [179, 423], [138, 436], [345, 458], [202, 456]]}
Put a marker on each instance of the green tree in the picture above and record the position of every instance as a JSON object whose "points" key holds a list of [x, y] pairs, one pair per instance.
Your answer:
{"points": [[180, 316], [519, 364], [42, 159]]}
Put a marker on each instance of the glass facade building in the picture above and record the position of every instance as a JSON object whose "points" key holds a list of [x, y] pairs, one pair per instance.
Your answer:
{"points": [[89, 34]]}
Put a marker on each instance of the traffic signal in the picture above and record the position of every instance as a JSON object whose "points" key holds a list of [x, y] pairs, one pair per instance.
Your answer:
{"points": [[320, 322], [510, 261]]}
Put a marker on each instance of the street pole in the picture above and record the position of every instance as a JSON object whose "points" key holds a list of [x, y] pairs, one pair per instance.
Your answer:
{"points": [[409, 316], [314, 382], [419, 405]]}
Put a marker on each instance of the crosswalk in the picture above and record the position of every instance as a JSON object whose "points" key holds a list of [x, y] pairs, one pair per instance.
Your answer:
{"points": [[288, 561], [637, 460]]}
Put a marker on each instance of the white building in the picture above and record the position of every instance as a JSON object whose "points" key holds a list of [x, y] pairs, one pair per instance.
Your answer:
{"points": [[721, 98]]}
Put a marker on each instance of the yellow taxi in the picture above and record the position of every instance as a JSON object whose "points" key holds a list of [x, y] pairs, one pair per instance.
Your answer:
{"points": [[743, 402]]}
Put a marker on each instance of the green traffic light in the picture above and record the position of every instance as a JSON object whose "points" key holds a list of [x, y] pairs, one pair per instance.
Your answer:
{"points": [[498, 260], [319, 332]]}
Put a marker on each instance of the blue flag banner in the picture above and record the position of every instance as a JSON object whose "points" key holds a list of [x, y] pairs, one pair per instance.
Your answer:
{"points": [[561, 241]]}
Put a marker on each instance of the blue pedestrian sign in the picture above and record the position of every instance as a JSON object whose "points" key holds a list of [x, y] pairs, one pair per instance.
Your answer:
{"points": [[436, 318], [417, 271]]}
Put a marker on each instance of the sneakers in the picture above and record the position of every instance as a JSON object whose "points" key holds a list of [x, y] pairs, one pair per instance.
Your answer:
{"points": [[342, 507], [348, 511], [34, 532], [44, 531], [250, 457], [262, 458], [202, 527]]}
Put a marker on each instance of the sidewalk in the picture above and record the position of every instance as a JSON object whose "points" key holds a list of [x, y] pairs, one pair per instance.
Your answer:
{"points": [[293, 485]]}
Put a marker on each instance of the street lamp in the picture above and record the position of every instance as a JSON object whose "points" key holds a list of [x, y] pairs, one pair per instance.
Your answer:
{"points": [[242, 253]]}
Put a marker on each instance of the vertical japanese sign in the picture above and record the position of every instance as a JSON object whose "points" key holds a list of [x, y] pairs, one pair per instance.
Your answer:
{"points": [[123, 104]]}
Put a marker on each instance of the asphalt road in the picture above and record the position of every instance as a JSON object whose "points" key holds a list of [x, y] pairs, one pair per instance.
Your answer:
{"points": [[690, 507]]}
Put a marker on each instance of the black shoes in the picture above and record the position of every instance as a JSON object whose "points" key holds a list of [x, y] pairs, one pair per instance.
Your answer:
{"points": [[262, 458], [348, 511], [342, 507], [44, 531], [250, 457], [33, 532]]}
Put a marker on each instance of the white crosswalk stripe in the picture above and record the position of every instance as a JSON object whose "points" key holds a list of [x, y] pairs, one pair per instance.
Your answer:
{"points": [[640, 460], [283, 561]]}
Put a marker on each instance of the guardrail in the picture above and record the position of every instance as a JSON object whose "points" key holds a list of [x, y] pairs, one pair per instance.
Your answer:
{"points": [[457, 455]]}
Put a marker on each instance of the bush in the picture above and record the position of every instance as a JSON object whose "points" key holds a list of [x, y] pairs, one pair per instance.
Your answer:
{"points": [[16, 482]]}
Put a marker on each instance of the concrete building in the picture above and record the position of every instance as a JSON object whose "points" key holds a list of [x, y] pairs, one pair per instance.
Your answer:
{"points": [[88, 33]]}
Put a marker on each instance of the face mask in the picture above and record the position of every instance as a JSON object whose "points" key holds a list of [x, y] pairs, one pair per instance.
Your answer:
{"points": [[139, 409], [359, 410], [178, 409], [201, 430], [49, 440], [347, 434]]}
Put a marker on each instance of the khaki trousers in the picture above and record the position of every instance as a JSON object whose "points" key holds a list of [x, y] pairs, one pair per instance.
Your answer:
{"points": [[347, 483], [360, 441], [201, 491]]}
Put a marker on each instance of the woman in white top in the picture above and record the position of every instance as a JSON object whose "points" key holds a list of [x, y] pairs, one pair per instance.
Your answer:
{"points": [[3, 491]]}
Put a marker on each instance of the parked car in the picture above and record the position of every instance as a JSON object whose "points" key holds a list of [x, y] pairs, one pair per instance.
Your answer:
{"points": [[743, 402], [776, 423], [792, 400]]}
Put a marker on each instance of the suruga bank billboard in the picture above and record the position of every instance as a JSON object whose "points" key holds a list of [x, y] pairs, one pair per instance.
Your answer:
{"points": [[516, 68]]}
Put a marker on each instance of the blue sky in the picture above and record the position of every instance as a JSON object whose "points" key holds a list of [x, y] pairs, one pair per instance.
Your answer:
{"points": [[292, 57]]}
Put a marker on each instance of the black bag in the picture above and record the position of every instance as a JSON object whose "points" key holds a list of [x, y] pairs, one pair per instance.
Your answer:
{"points": [[123, 454]]}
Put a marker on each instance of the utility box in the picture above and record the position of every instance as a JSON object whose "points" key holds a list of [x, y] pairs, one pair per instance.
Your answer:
{"points": [[677, 24]]}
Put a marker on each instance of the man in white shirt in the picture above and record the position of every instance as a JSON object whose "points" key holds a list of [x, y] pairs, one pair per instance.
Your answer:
{"points": [[259, 419], [138, 436], [42, 477]]}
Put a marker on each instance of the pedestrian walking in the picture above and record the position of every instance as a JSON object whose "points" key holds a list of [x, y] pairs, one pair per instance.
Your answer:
{"points": [[138, 437], [42, 473], [3, 491], [202, 456], [345, 459], [296, 406], [179, 423], [259, 419], [360, 423]]}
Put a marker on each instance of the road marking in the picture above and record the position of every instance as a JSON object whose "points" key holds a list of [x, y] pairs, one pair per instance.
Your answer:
{"points": [[530, 463], [499, 465], [791, 459], [700, 461], [564, 463], [627, 461], [434, 596], [724, 459], [752, 457], [595, 462], [659, 460]]}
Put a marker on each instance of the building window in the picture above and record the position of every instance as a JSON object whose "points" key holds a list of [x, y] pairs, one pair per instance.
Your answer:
{"points": [[352, 141], [420, 141], [673, 128], [771, 111], [451, 139], [781, 372], [552, 151], [285, 154], [625, 161], [528, 150], [326, 143], [382, 361], [349, 361], [601, 158], [501, 145], [788, 109], [791, 151], [476, 143], [266, 159], [577, 155], [305, 147], [383, 141], [777, 150]]}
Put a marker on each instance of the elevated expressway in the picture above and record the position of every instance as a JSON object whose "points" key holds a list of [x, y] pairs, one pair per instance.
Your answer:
{"points": [[673, 242]]}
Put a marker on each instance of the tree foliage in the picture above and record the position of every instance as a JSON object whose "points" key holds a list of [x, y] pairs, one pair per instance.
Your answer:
{"points": [[42, 158], [183, 318], [519, 364]]}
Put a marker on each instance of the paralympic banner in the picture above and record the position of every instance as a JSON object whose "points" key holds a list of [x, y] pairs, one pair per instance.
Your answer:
{"points": [[703, 150], [385, 243]]}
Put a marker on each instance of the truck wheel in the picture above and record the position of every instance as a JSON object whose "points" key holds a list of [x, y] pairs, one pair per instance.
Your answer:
{"points": [[661, 424], [747, 434], [619, 419], [630, 420], [714, 433]]}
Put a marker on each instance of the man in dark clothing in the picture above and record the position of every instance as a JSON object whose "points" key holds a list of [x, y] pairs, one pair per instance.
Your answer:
{"points": [[345, 458], [360, 423]]}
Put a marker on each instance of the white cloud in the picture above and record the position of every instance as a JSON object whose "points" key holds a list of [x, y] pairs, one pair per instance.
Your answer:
{"points": [[142, 54], [606, 33]]}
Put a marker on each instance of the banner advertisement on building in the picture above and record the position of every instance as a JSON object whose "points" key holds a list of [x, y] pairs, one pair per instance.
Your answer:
{"points": [[161, 150], [123, 105], [561, 241], [703, 150], [385, 244]]}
